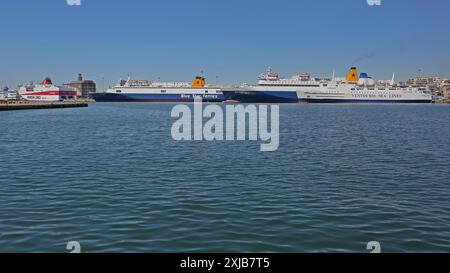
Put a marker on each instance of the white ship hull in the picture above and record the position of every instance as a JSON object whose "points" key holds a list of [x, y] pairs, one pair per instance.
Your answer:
{"points": [[364, 95], [48, 96], [46, 92]]}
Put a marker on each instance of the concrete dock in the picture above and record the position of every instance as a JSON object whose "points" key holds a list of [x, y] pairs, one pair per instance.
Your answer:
{"points": [[11, 106]]}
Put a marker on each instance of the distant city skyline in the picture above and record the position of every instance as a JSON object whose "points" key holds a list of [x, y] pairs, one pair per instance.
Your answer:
{"points": [[231, 41]]}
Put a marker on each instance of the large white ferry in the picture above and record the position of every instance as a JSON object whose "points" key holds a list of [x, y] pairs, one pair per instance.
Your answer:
{"points": [[47, 91], [363, 89], [147, 91], [303, 88], [272, 88]]}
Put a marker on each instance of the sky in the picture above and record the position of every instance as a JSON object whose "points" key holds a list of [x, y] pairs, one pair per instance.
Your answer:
{"points": [[231, 41]]}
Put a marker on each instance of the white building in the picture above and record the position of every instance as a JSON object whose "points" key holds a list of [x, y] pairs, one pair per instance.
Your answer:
{"points": [[446, 91], [427, 81]]}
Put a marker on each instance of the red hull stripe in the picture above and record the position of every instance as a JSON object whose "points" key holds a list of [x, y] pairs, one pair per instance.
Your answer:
{"points": [[52, 93]]}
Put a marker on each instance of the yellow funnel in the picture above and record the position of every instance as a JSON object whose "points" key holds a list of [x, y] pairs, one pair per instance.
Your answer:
{"points": [[198, 82], [353, 75]]}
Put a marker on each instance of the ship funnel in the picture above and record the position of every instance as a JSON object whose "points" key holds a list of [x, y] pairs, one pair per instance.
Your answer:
{"points": [[47, 81], [198, 82], [352, 76]]}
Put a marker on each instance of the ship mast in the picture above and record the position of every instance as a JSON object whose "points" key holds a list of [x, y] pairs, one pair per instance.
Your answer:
{"points": [[393, 79]]}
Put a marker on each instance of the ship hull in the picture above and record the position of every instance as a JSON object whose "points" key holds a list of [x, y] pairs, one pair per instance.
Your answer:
{"points": [[261, 96], [114, 97], [49, 96], [365, 96], [363, 101]]}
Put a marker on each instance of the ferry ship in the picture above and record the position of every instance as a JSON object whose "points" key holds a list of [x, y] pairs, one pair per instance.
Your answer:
{"points": [[147, 91], [9, 94], [46, 91], [271, 88], [363, 89]]}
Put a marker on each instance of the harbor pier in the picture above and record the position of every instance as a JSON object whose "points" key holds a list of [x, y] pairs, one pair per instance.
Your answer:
{"points": [[20, 105]]}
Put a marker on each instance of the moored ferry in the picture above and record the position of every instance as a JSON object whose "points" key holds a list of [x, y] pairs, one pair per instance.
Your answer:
{"points": [[147, 91], [272, 88], [355, 88], [363, 89], [9, 94], [47, 91]]}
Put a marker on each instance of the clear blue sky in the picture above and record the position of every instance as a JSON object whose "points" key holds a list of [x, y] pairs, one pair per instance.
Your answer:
{"points": [[233, 39]]}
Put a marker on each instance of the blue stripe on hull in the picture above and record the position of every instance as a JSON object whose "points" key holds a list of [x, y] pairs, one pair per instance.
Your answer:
{"points": [[261, 96], [363, 101], [111, 97]]}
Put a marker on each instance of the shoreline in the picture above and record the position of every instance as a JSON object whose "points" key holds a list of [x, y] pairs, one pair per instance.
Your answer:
{"points": [[39, 105]]}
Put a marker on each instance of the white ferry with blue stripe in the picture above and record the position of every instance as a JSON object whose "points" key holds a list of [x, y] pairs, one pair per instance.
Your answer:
{"points": [[363, 89], [302, 88], [271, 88], [148, 91]]}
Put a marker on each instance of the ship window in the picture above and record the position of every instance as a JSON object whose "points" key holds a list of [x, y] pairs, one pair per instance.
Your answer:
{"points": [[206, 91], [163, 91], [118, 91]]}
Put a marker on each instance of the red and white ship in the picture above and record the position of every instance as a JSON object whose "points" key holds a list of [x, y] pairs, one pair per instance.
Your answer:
{"points": [[47, 91]]}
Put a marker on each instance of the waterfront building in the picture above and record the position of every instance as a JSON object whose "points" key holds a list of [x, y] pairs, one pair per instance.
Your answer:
{"points": [[433, 84], [446, 91], [427, 81], [84, 87]]}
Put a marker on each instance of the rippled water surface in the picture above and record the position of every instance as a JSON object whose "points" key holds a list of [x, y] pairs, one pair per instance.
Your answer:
{"points": [[111, 177]]}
